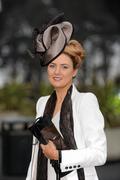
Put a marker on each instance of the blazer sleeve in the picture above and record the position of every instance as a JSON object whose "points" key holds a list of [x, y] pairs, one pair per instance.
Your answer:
{"points": [[94, 152]]}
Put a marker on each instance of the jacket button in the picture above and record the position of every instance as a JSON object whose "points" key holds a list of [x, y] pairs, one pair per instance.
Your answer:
{"points": [[70, 167], [78, 166], [66, 167], [74, 166]]}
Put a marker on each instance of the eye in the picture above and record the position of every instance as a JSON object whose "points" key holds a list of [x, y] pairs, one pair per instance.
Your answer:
{"points": [[65, 66], [51, 65]]}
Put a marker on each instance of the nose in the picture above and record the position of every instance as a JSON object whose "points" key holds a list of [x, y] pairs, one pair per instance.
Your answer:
{"points": [[57, 70]]}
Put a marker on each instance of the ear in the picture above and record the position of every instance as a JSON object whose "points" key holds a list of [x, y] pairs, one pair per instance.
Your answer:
{"points": [[75, 72]]}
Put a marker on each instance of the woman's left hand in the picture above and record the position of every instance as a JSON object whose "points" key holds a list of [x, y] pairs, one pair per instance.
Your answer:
{"points": [[50, 150]]}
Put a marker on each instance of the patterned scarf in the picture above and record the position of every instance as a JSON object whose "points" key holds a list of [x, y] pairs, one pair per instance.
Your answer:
{"points": [[66, 128]]}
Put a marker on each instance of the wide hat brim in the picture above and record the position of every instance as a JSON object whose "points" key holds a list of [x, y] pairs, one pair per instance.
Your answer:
{"points": [[52, 41]]}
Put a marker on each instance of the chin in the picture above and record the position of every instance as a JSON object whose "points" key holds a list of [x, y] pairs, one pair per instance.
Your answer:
{"points": [[60, 85], [57, 85]]}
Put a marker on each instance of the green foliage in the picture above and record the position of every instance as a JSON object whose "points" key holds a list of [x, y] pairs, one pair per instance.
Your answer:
{"points": [[45, 89], [22, 97], [17, 97]]}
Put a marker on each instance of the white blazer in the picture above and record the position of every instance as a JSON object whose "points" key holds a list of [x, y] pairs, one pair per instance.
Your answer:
{"points": [[89, 135]]}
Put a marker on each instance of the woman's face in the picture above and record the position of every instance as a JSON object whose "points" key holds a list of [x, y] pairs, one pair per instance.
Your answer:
{"points": [[61, 71]]}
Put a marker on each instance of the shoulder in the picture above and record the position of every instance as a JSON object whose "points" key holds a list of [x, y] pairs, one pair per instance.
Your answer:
{"points": [[85, 101], [42, 100], [89, 100], [40, 105], [89, 110], [84, 97], [89, 96]]}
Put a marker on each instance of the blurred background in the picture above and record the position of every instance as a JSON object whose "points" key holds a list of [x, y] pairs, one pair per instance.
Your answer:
{"points": [[22, 81]]}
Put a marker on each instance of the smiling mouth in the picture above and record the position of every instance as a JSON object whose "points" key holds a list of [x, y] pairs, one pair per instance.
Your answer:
{"points": [[57, 78]]}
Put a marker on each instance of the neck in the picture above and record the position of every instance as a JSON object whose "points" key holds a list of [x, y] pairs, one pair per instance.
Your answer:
{"points": [[61, 93]]}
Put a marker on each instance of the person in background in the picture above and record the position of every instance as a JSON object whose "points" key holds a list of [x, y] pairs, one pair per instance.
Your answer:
{"points": [[76, 115]]}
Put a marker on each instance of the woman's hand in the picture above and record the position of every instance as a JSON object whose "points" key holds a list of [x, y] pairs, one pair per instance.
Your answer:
{"points": [[50, 150]]}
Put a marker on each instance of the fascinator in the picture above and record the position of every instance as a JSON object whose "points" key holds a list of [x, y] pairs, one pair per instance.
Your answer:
{"points": [[51, 39]]}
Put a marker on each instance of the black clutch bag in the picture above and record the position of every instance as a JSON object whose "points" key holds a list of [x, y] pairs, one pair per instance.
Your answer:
{"points": [[44, 130]]}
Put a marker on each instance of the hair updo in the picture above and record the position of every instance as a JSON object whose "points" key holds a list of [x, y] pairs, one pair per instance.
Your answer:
{"points": [[76, 52]]}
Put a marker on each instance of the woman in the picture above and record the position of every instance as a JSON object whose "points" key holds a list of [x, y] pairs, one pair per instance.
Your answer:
{"points": [[76, 115]]}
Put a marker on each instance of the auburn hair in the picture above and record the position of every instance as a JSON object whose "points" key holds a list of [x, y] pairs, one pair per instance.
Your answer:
{"points": [[76, 52]]}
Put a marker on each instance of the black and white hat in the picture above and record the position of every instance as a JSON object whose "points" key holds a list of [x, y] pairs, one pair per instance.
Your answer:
{"points": [[50, 41]]}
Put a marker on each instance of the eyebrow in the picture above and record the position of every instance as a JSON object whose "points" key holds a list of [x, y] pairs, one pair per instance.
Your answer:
{"points": [[60, 64]]}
